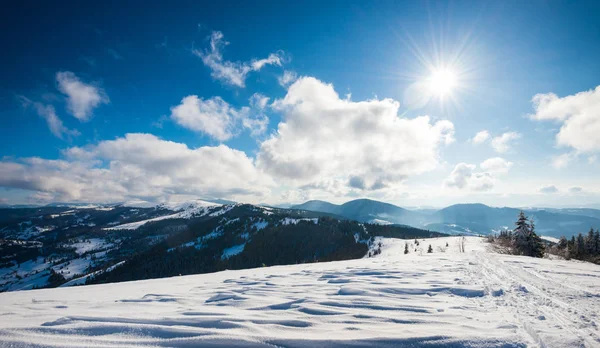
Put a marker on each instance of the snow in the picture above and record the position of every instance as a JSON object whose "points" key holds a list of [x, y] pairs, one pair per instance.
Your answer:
{"points": [[292, 221], [379, 222], [187, 210], [73, 267], [259, 225], [83, 247], [550, 239], [188, 205], [82, 280], [232, 251], [472, 299]]}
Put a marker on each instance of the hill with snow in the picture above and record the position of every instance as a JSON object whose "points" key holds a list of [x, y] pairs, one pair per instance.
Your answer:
{"points": [[75, 245], [446, 298]]}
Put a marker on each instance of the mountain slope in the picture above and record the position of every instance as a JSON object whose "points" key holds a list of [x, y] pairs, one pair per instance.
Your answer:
{"points": [[392, 300], [49, 247], [366, 210]]}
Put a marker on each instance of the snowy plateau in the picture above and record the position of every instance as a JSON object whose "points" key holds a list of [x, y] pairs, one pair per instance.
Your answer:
{"points": [[478, 298]]}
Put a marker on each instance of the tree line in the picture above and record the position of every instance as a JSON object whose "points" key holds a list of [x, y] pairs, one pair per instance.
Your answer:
{"points": [[580, 247]]}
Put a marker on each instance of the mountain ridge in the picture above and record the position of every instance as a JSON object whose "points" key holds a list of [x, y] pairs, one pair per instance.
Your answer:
{"points": [[463, 218]]}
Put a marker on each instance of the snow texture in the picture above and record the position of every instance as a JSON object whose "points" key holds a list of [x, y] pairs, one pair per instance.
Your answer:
{"points": [[187, 210], [445, 298]]}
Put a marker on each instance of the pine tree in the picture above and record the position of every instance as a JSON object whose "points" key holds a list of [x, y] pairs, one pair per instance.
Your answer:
{"points": [[405, 248], [521, 234], [525, 241], [589, 243], [430, 249], [597, 243], [562, 243], [537, 244], [580, 247]]}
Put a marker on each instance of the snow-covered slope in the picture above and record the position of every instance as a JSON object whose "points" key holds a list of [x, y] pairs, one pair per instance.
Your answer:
{"points": [[472, 299], [185, 210]]}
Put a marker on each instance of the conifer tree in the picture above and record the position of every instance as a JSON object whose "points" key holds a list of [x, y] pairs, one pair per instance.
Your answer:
{"points": [[580, 246], [521, 234], [525, 240], [430, 249], [589, 242], [405, 248], [562, 243]]}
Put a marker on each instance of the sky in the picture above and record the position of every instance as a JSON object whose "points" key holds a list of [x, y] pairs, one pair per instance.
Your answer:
{"points": [[412, 103]]}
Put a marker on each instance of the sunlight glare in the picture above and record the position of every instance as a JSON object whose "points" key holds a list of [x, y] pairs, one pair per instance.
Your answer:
{"points": [[442, 82]]}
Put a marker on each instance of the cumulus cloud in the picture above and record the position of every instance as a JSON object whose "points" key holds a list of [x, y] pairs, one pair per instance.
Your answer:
{"points": [[575, 189], [232, 73], [327, 141], [218, 119], [496, 165], [137, 166], [463, 176], [287, 78], [578, 115], [82, 98], [502, 143], [48, 113], [549, 189], [481, 137], [213, 117]]}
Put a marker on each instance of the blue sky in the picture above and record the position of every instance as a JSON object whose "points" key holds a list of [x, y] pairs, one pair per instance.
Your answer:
{"points": [[89, 88]]}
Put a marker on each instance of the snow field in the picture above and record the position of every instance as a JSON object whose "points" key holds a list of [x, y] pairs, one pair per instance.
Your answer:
{"points": [[471, 299]]}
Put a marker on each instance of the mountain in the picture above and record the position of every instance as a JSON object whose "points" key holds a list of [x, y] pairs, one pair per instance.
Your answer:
{"points": [[471, 219], [367, 210], [321, 206], [63, 246]]}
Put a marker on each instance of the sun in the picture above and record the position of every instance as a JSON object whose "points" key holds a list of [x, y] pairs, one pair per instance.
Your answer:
{"points": [[442, 82]]}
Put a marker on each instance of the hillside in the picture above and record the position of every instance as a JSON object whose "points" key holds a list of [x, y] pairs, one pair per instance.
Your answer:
{"points": [[367, 210], [63, 246], [446, 298]]}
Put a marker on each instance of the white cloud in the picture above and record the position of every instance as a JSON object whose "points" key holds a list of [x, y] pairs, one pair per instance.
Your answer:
{"points": [[578, 114], [138, 166], [497, 165], [259, 101], [549, 189], [219, 120], [82, 98], [481, 137], [48, 113], [561, 161], [503, 142], [463, 176], [287, 78], [328, 142], [273, 59], [213, 117], [231, 73]]}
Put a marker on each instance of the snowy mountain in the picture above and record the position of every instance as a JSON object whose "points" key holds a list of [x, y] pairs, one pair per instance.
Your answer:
{"points": [[61, 246], [470, 219], [445, 298]]}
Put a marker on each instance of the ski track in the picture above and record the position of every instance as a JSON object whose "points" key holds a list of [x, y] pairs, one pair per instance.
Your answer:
{"points": [[472, 299]]}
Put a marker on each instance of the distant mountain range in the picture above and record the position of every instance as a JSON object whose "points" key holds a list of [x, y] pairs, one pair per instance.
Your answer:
{"points": [[462, 218]]}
